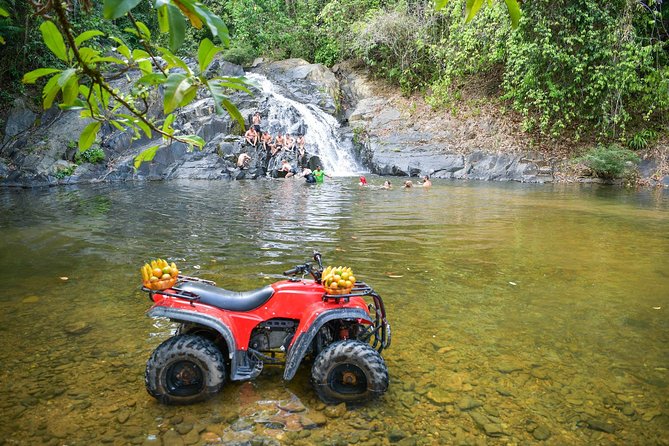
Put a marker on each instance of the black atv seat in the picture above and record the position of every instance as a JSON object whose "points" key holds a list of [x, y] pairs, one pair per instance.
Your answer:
{"points": [[225, 299]]}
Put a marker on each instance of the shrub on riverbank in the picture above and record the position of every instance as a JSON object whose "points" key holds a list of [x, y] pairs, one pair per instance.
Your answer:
{"points": [[609, 162]]}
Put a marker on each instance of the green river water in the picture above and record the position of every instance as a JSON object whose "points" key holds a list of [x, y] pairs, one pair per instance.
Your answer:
{"points": [[521, 314]]}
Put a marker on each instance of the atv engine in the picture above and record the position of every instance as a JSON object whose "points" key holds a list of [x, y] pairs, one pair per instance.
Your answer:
{"points": [[273, 335]]}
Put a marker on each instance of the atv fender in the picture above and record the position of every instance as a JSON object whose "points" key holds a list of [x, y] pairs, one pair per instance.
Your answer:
{"points": [[201, 319], [299, 348]]}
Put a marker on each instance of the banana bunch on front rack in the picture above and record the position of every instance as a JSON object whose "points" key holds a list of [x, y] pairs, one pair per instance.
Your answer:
{"points": [[338, 280]]}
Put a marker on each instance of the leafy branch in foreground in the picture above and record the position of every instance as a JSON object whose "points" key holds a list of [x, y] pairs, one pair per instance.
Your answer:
{"points": [[473, 6], [87, 82]]}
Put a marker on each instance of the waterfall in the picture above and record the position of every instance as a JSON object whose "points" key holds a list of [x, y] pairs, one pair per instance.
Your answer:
{"points": [[321, 130]]}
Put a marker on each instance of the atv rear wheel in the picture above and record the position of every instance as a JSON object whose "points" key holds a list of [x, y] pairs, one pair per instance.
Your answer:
{"points": [[185, 369], [349, 371]]}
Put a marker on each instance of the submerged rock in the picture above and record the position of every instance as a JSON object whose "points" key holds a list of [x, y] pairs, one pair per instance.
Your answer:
{"points": [[77, 328]]}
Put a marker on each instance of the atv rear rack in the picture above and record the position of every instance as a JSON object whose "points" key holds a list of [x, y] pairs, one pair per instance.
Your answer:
{"points": [[379, 332], [179, 293]]}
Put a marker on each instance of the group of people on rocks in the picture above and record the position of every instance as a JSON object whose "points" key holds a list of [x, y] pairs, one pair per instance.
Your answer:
{"points": [[273, 145], [255, 137], [292, 147]]}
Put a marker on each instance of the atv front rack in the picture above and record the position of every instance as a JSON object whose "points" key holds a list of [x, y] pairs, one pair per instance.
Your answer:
{"points": [[378, 333], [179, 293]]}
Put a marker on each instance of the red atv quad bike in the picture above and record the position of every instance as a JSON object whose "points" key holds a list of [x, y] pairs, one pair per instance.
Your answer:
{"points": [[226, 334]]}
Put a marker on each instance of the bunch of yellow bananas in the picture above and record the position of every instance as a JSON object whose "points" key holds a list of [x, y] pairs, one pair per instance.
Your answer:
{"points": [[338, 280], [159, 275]]}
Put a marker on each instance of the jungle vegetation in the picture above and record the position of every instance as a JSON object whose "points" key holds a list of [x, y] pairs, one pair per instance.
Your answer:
{"points": [[570, 68]]}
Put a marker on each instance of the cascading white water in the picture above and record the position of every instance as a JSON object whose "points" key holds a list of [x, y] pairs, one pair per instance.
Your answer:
{"points": [[320, 129]]}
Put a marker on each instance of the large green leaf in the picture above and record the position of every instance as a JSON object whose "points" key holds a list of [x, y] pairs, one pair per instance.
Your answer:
{"points": [[145, 155], [113, 9], [186, 7], [71, 91], [193, 140], [514, 12], [177, 27], [88, 55], [50, 91], [214, 23], [3, 12], [88, 135], [152, 79], [65, 76], [232, 111], [236, 83], [206, 53], [173, 61], [135, 121], [178, 89], [167, 125], [440, 4], [31, 77], [54, 40], [144, 30], [472, 8], [86, 35], [163, 19]]}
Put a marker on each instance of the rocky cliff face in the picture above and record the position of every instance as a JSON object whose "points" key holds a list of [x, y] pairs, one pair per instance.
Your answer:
{"points": [[399, 136], [391, 135]]}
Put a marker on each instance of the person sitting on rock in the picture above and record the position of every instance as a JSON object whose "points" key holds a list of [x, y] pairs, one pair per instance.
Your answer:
{"points": [[243, 161], [251, 136], [266, 141], [289, 143], [300, 141], [256, 122], [278, 144], [286, 167]]}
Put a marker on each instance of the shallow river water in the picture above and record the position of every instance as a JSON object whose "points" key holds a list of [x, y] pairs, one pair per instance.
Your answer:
{"points": [[521, 314]]}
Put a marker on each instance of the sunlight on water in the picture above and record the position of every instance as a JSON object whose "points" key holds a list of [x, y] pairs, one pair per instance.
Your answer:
{"points": [[519, 312]]}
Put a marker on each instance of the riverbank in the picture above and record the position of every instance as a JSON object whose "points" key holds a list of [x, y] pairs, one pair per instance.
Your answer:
{"points": [[387, 133], [478, 138]]}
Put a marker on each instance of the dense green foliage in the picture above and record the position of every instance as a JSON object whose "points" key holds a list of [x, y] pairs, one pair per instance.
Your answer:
{"points": [[605, 66], [571, 67], [609, 162], [88, 78]]}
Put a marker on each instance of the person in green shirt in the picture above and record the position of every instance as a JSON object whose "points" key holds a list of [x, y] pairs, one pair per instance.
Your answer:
{"points": [[319, 174]]}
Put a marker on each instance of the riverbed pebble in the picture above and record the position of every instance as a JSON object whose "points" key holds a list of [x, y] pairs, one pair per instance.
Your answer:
{"points": [[468, 403], [172, 438], [77, 328], [541, 433], [335, 411]]}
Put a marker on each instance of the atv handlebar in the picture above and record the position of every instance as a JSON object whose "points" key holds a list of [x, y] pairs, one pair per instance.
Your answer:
{"points": [[314, 270]]}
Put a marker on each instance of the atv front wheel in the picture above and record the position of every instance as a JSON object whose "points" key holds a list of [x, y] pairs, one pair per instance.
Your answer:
{"points": [[185, 369], [349, 371]]}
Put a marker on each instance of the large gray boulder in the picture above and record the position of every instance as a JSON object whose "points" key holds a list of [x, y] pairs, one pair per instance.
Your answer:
{"points": [[20, 119], [304, 82], [395, 141]]}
